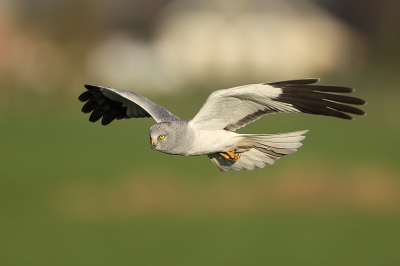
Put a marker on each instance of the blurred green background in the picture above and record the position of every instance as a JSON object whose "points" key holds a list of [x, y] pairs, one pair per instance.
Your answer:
{"points": [[77, 193]]}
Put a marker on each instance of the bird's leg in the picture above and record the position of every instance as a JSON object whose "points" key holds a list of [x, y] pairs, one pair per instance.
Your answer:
{"points": [[225, 155], [230, 155], [233, 155]]}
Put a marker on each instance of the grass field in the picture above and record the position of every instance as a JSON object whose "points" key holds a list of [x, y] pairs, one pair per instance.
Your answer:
{"points": [[77, 193]]}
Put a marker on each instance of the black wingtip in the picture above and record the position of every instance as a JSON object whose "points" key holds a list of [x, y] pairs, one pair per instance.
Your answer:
{"points": [[85, 96], [91, 87], [357, 101], [295, 82]]}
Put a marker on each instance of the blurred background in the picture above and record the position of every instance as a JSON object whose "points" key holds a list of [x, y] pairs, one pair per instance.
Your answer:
{"points": [[77, 193]]}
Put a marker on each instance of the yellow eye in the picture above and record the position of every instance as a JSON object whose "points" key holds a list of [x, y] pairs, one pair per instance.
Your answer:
{"points": [[162, 136]]}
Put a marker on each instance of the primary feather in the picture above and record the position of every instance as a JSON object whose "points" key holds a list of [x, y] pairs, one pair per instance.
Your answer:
{"points": [[113, 104], [233, 108]]}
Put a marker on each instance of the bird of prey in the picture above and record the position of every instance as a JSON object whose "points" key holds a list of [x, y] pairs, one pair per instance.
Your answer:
{"points": [[212, 131]]}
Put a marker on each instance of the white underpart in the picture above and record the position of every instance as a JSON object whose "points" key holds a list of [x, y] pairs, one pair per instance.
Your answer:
{"points": [[206, 142]]}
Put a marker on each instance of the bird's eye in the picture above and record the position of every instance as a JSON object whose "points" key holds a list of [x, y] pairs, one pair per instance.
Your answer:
{"points": [[162, 136]]}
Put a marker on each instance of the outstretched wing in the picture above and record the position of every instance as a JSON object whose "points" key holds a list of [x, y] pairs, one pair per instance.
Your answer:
{"points": [[233, 108], [113, 104]]}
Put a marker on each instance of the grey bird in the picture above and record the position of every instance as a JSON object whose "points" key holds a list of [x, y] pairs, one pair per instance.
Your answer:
{"points": [[211, 131]]}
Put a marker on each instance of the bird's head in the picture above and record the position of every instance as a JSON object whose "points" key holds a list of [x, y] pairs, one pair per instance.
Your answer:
{"points": [[161, 136]]}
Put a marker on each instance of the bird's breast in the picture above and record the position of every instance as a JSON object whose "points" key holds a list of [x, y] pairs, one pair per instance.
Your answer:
{"points": [[206, 142]]}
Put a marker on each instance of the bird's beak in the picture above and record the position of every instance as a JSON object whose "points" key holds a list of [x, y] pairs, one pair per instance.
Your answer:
{"points": [[153, 143]]}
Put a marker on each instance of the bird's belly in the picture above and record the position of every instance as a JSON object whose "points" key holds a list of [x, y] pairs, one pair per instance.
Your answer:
{"points": [[207, 142]]}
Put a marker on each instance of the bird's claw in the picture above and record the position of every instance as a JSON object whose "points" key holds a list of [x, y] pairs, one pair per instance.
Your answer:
{"points": [[230, 155]]}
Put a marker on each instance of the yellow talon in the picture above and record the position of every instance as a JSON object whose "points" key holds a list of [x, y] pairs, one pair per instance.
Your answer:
{"points": [[230, 155], [225, 156]]}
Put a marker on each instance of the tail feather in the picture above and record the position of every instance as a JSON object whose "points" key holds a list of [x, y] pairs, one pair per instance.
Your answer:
{"points": [[266, 149]]}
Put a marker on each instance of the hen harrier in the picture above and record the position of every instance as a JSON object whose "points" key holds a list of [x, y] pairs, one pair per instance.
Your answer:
{"points": [[211, 131]]}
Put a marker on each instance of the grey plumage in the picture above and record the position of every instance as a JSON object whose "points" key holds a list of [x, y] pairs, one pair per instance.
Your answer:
{"points": [[211, 131], [177, 139]]}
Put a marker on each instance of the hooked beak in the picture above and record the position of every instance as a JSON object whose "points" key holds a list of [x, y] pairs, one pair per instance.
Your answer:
{"points": [[153, 143]]}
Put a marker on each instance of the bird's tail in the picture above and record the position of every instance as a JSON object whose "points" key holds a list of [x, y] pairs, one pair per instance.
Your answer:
{"points": [[265, 150]]}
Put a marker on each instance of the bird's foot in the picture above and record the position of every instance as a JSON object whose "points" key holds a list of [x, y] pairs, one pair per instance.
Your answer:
{"points": [[230, 155]]}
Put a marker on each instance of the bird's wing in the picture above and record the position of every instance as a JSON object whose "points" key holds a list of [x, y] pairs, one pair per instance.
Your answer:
{"points": [[234, 108], [113, 104]]}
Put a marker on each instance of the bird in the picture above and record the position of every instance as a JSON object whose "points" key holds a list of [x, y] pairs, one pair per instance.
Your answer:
{"points": [[211, 131]]}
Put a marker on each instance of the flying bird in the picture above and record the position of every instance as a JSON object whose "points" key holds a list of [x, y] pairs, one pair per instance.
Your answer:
{"points": [[212, 131]]}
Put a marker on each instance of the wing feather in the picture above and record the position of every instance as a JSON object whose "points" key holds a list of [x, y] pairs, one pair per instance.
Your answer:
{"points": [[110, 104], [233, 108]]}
